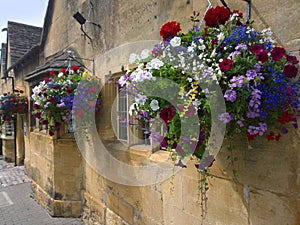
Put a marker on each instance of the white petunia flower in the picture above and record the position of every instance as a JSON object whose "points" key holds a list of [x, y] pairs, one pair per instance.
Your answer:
{"points": [[175, 41], [134, 58], [201, 47], [154, 64], [154, 105], [141, 75], [190, 49], [122, 80], [145, 54], [140, 99]]}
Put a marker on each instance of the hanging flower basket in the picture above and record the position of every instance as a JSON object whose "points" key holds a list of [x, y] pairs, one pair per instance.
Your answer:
{"points": [[256, 76], [12, 104], [53, 98]]}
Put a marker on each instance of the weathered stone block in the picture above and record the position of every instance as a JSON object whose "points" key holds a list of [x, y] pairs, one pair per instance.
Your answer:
{"points": [[271, 208], [175, 216], [226, 203], [113, 218], [120, 207]]}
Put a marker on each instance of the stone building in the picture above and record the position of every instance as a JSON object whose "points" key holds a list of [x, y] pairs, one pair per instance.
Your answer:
{"points": [[69, 178], [19, 56]]}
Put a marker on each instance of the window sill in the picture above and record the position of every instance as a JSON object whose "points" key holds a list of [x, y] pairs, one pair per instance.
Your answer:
{"points": [[138, 154], [5, 137], [140, 150]]}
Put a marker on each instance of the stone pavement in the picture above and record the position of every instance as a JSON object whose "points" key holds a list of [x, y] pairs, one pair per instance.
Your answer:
{"points": [[16, 205]]}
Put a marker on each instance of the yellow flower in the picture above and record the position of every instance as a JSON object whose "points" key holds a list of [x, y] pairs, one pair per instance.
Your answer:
{"points": [[86, 74]]}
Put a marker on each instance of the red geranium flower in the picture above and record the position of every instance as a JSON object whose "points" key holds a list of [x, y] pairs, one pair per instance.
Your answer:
{"points": [[223, 14], [75, 68], [240, 14], [216, 16], [286, 117], [169, 30], [277, 53], [251, 137], [211, 18], [226, 64], [46, 79], [270, 136], [290, 71], [51, 73], [64, 71]]}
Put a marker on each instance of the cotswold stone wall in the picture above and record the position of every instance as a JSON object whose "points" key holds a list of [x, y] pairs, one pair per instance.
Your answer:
{"points": [[266, 189], [54, 165]]}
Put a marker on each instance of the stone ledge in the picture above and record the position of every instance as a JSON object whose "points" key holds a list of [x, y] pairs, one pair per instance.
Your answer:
{"points": [[140, 150], [56, 208]]}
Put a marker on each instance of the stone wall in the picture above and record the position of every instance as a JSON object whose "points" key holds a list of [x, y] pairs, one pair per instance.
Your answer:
{"points": [[54, 165], [266, 189]]}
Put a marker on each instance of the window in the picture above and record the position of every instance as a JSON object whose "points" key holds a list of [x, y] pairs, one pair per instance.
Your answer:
{"points": [[122, 110], [116, 125]]}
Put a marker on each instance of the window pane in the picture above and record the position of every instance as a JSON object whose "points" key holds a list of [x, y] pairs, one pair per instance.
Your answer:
{"points": [[122, 111]]}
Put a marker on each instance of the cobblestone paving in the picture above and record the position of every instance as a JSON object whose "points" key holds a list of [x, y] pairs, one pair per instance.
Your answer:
{"points": [[16, 205], [11, 175]]}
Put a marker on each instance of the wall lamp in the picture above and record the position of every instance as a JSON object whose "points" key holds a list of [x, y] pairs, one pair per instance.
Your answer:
{"points": [[81, 20]]}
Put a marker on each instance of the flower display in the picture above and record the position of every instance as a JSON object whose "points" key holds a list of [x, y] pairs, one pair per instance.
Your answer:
{"points": [[53, 98], [13, 103], [257, 78]]}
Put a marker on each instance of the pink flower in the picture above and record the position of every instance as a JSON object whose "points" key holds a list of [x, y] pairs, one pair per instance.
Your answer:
{"points": [[257, 48], [38, 115], [290, 71], [262, 56], [52, 99], [291, 59], [36, 106], [68, 90], [277, 53], [167, 114], [226, 64], [191, 111]]}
